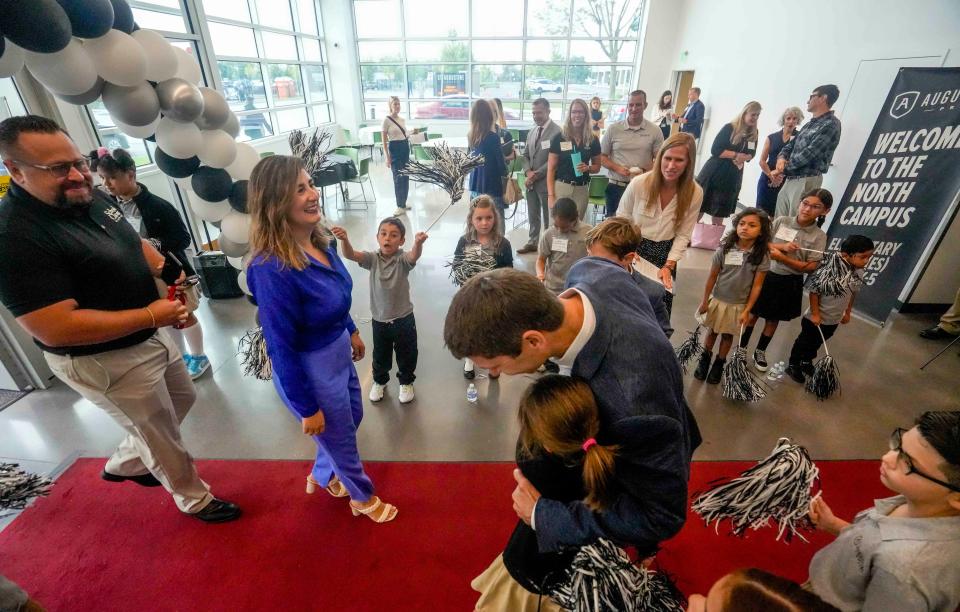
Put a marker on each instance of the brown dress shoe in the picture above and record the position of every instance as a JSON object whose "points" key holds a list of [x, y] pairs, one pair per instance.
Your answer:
{"points": [[530, 248]]}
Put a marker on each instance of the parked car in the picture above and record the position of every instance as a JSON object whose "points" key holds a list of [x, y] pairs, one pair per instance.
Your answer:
{"points": [[113, 138], [451, 107], [618, 111], [538, 86]]}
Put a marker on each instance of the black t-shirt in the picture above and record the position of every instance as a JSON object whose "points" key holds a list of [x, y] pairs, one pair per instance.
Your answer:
{"points": [[565, 149], [91, 255]]}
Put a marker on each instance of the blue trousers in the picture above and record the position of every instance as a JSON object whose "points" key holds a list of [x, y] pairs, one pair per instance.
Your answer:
{"points": [[336, 388]]}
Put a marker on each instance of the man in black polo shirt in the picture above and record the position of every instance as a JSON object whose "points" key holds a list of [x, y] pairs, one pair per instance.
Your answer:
{"points": [[77, 277]]}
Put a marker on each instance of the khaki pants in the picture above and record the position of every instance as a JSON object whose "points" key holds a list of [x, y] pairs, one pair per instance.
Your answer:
{"points": [[146, 389], [950, 321], [578, 193], [788, 200]]}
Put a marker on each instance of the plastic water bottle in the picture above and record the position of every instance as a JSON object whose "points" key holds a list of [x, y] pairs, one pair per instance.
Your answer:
{"points": [[773, 374], [472, 394]]}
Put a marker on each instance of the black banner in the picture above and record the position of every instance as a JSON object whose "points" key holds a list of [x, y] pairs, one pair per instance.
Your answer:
{"points": [[905, 182]]}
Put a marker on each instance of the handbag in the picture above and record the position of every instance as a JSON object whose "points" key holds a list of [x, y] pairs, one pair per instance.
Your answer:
{"points": [[707, 236], [512, 193]]}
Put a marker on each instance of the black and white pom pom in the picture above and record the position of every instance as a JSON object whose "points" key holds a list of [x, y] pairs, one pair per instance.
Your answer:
{"points": [[777, 489], [690, 349], [253, 351], [832, 277], [472, 262], [313, 151], [825, 380], [449, 168], [602, 578], [18, 487], [738, 382]]}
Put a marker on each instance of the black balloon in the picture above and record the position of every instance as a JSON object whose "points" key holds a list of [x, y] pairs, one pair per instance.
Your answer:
{"points": [[122, 16], [174, 166], [41, 26], [211, 184], [238, 196], [89, 18]]}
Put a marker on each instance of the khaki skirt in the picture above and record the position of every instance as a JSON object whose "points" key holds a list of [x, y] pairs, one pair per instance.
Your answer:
{"points": [[499, 592], [722, 317]]}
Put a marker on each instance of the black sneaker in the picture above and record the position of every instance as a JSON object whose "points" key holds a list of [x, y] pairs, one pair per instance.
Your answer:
{"points": [[760, 360], [218, 511], [716, 372], [469, 374], [144, 480], [936, 333], [703, 366], [794, 372]]}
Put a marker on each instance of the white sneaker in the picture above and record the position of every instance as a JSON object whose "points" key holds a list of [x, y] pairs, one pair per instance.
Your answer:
{"points": [[399, 212], [406, 394], [376, 392]]}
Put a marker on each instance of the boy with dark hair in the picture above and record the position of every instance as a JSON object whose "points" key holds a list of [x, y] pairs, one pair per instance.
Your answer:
{"points": [[394, 327], [827, 311], [561, 245], [904, 553]]}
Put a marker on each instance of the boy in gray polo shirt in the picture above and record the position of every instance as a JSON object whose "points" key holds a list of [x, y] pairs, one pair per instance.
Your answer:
{"points": [[561, 245], [394, 327], [904, 552]]}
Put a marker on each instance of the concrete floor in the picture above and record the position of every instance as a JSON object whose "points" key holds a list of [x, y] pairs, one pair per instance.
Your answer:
{"points": [[239, 417]]}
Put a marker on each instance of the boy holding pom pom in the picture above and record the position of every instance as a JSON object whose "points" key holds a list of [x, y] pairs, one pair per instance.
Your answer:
{"points": [[904, 553]]}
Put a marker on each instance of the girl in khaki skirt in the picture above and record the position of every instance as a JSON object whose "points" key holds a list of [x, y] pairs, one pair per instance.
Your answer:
{"points": [[738, 268]]}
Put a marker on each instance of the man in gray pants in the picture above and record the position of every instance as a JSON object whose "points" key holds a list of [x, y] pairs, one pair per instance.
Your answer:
{"points": [[535, 157], [81, 281]]}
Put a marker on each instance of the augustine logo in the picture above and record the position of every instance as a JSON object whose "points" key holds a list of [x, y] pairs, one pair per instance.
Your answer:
{"points": [[903, 103]]}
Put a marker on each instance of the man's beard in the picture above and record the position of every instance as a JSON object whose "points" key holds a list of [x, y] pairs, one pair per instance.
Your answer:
{"points": [[74, 202]]}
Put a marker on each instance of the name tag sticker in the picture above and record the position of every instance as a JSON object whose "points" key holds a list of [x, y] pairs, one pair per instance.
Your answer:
{"points": [[566, 146], [559, 244], [752, 146], [733, 258], [787, 234], [545, 143]]}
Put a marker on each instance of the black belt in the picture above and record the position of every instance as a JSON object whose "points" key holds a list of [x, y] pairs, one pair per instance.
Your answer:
{"points": [[572, 183]]}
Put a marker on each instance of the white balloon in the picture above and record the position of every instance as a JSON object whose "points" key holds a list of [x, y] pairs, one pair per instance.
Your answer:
{"points": [[242, 166], [187, 67], [68, 71], [236, 227], [118, 58], [162, 60], [242, 281], [236, 262], [138, 131], [218, 150], [209, 211], [232, 126], [180, 140], [12, 59]]}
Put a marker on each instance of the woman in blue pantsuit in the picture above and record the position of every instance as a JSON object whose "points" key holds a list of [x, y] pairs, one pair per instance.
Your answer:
{"points": [[304, 294]]}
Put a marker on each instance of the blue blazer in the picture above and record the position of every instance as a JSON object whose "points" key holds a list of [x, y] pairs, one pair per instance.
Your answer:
{"points": [[633, 372], [695, 119]]}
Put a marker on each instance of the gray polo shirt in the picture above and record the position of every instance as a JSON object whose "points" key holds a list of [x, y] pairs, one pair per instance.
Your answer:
{"points": [[833, 307], [882, 563], [631, 146], [562, 250], [389, 287], [811, 237], [736, 274]]}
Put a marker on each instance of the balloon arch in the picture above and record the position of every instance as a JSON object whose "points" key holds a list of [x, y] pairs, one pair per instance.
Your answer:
{"points": [[85, 50]]}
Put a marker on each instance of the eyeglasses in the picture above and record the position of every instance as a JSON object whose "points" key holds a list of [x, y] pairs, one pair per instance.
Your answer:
{"points": [[815, 95], [896, 444], [61, 170]]}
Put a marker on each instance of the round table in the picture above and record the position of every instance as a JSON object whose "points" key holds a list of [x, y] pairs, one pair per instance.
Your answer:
{"points": [[454, 142]]}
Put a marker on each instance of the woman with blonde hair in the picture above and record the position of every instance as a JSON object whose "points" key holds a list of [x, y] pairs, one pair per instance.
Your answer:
{"points": [[500, 127], [574, 156], [768, 187], [396, 150], [304, 294], [483, 139], [722, 176], [664, 204]]}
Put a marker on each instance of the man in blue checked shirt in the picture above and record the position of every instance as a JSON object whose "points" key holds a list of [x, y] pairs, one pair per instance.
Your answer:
{"points": [[805, 159]]}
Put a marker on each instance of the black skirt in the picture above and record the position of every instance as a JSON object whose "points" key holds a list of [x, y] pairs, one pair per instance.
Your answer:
{"points": [[781, 297]]}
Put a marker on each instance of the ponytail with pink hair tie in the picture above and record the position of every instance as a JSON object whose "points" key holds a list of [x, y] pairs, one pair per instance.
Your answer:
{"points": [[586, 445], [102, 152]]}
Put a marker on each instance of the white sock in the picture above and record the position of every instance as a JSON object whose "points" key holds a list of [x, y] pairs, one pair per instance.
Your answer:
{"points": [[177, 336], [194, 336]]}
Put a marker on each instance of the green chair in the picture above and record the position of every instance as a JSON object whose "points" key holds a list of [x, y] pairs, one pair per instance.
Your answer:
{"points": [[421, 155], [434, 136], [266, 154], [363, 175], [520, 214], [377, 144], [516, 165], [598, 188], [515, 134]]}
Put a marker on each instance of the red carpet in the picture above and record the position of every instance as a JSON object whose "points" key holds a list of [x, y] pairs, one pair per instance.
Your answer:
{"points": [[93, 545]]}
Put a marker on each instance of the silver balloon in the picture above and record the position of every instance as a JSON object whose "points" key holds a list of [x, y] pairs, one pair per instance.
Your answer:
{"points": [[68, 71], [136, 105], [87, 97], [232, 125], [215, 110], [180, 100], [12, 59], [231, 248]]}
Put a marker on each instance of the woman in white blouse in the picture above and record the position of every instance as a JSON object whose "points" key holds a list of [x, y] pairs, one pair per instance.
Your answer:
{"points": [[665, 205], [396, 150]]}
